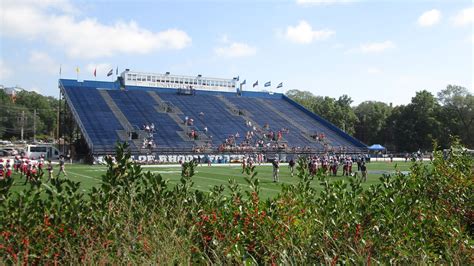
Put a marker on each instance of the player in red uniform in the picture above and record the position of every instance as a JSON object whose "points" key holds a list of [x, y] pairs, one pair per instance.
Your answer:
{"points": [[8, 172]]}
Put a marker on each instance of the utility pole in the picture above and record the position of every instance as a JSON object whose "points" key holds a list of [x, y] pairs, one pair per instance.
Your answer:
{"points": [[34, 126], [59, 111]]}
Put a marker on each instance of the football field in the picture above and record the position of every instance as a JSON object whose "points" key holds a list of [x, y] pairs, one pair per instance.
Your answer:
{"points": [[206, 177]]}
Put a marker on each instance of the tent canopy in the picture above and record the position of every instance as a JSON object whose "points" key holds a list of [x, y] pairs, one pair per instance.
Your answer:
{"points": [[376, 147]]}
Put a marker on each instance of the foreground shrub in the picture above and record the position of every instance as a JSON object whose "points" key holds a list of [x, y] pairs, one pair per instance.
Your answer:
{"points": [[135, 217]]}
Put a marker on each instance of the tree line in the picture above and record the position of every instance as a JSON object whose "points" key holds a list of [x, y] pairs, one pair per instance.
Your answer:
{"points": [[402, 128], [29, 110]]}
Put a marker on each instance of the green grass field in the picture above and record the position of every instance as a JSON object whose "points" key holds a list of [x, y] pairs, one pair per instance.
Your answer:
{"points": [[207, 177]]}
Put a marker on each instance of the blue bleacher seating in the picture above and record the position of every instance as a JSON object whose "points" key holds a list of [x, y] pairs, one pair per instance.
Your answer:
{"points": [[206, 109]]}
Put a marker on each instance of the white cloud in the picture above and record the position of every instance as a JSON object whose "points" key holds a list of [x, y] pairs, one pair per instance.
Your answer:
{"points": [[374, 70], [235, 49], [464, 17], [429, 18], [376, 47], [102, 68], [303, 33], [5, 71], [323, 2], [43, 62], [85, 38]]}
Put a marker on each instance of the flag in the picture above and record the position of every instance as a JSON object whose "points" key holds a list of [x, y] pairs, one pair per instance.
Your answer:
{"points": [[255, 84], [110, 72], [95, 72], [268, 84], [280, 85], [116, 71], [237, 78], [77, 70], [244, 82]]}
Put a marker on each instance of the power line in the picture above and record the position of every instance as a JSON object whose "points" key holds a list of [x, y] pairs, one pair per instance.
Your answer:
{"points": [[21, 108]]}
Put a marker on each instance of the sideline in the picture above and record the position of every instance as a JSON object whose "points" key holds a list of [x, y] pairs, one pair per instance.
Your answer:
{"points": [[204, 165]]}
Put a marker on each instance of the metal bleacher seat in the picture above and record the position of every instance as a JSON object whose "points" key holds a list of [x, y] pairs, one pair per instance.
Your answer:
{"points": [[97, 119]]}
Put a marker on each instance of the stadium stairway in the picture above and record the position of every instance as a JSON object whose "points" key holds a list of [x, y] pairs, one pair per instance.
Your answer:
{"points": [[264, 115], [304, 131], [95, 119], [238, 112], [332, 138], [124, 134], [141, 109], [174, 114]]}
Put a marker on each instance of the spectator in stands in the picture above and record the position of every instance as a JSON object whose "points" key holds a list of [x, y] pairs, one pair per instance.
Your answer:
{"points": [[205, 130]]}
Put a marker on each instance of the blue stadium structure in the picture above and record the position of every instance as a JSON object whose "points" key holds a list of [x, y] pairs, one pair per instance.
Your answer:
{"points": [[178, 114]]}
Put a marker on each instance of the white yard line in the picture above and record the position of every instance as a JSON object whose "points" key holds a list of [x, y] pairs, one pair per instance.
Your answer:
{"points": [[86, 176]]}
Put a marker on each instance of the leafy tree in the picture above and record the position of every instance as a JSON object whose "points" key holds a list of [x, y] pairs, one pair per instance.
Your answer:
{"points": [[457, 113], [416, 125], [24, 106], [305, 98], [372, 117]]}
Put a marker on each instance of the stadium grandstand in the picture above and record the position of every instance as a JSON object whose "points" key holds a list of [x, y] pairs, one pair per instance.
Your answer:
{"points": [[171, 114]]}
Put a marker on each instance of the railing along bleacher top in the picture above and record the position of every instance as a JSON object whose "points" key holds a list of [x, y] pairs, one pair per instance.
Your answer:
{"points": [[178, 81]]}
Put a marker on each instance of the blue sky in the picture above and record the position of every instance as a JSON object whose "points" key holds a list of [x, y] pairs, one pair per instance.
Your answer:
{"points": [[369, 50]]}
